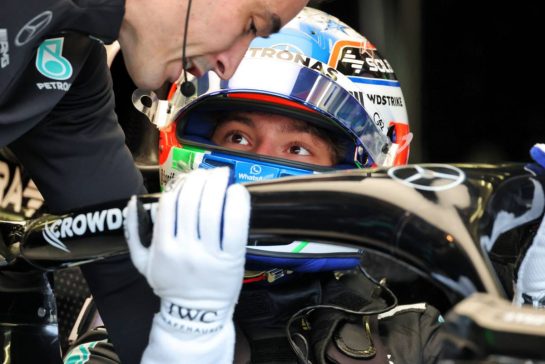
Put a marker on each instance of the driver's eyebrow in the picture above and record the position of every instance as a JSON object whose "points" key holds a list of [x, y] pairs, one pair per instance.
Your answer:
{"points": [[240, 118]]}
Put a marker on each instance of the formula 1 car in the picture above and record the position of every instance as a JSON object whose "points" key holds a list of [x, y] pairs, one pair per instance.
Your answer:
{"points": [[447, 234]]}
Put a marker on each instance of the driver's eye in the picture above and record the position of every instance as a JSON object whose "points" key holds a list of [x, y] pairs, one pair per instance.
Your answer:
{"points": [[299, 150], [237, 138]]}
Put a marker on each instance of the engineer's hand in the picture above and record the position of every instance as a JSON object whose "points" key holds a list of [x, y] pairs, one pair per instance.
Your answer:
{"points": [[195, 264]]}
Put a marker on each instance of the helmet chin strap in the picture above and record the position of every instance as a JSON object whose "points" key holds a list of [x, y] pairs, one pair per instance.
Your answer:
{"points": [[186, 88]]}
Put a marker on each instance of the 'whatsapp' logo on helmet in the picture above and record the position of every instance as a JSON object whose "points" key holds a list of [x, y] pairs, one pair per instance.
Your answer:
{"points": [[50, 62]]}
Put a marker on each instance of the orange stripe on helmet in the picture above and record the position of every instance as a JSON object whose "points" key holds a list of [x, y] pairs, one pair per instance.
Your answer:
{"points": [[336, 52], [403, 137], [270, 99]]}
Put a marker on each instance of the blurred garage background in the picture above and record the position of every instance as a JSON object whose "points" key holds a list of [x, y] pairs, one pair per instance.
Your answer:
{"points": [[470, 72]]}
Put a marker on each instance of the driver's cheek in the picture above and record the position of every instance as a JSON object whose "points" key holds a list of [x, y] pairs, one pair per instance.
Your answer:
{"points": [[237, 146]]}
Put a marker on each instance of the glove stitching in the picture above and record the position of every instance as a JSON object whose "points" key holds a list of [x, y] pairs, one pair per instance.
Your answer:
{"points": [[179, 192], [199, 210], [222, 218]]}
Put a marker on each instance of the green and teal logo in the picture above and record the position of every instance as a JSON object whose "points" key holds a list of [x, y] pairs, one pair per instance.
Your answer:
{"points": [[50, 62]]}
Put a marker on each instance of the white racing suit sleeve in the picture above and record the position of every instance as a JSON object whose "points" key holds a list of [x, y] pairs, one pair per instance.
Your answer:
{"points": [[530, 277], [195, 263]]}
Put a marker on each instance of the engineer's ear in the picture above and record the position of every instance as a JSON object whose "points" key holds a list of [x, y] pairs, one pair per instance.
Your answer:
{"points": [[111, 51]]}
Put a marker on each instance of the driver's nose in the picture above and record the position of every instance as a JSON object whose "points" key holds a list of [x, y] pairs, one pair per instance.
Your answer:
{"points": [[266, 149]]}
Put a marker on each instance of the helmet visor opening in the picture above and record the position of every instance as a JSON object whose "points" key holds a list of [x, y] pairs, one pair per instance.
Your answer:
{"points": [[309, 88], [206, 124]]}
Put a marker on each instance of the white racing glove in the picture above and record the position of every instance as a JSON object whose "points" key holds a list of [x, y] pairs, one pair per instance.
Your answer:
{"points": [[195, 263]]}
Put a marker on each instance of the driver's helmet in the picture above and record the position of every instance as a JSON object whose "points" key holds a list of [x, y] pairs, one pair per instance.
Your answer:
{"points": [[316, 69]]}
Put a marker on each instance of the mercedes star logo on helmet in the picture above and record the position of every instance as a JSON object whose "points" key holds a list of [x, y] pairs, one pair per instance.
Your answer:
{"points": [[432, 177], [34, 27]]}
